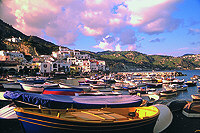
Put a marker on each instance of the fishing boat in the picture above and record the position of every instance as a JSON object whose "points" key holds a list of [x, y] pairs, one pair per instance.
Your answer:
{"points": [[117, 86], [63, 102], [191, 83], [86, 88], [100, 86], [37, 88], [31, 80], [3, 81], [109, 81], [62, 91], [178, 87], [131, 119], [172, 81], [198, 87], [141, 90], [13, 86], [192, 110], [154, 85], [7, 112], [196, 97], [168, 92]]}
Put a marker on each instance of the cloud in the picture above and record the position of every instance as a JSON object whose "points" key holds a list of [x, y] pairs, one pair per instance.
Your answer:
{"points": [[128, 37], [192, 31], [63, 20], [196, 43], [157, 40], [118, 47], [161, 25], [132, 47], [105, 44]]}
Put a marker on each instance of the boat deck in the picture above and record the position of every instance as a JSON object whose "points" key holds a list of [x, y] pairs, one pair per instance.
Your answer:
{"points": [[96, 115]]}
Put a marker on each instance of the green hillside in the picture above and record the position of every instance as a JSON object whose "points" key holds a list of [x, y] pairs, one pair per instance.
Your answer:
{"points": [[115, 60]]}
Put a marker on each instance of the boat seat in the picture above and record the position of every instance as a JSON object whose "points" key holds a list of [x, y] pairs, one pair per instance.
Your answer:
{"points": [[86, 116], [103, 116]]}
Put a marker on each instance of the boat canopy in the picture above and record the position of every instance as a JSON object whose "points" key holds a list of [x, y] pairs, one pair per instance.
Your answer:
{"points": [[63, 102]]}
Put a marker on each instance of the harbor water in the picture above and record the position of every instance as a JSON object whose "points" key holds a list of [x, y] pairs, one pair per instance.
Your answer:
{"points": [[182, 95], [180, 123]]}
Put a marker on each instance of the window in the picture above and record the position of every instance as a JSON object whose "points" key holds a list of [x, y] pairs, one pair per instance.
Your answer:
{"points": [[55, 65], [45, 65]]}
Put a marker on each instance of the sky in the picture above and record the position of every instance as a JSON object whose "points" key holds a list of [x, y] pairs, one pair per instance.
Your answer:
{"points": [[153, 27]]}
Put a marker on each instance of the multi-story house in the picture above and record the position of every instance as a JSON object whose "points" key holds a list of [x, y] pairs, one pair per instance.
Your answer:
{"points": [[86, 66], [60, 65], [94, 65], [45, 67], [72, 60], [101, 65]]}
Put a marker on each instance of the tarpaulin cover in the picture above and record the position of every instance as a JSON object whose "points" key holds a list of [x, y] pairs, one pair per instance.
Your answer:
{"points": [[49, 101], [63, 102]]}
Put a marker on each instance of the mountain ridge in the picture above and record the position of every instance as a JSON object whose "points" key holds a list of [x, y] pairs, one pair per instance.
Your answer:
{"points": [[115, 60]]}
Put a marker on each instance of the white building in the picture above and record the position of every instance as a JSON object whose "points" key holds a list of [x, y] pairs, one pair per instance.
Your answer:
{"points": [[94, 65], [86, 66], [72, 60], [101, 65], [45, 67], [59, 66], [14, 39], [13, 56]]}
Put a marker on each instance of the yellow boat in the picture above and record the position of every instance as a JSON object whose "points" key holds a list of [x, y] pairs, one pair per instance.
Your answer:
{"points": [[132, 119]]}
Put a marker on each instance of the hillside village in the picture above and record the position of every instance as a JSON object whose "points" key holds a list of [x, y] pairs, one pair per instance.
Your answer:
{"points": [[61, 62]]}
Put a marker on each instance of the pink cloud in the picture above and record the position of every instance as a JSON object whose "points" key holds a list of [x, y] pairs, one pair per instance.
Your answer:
{"points": [[160, 25], [64, 19], [118, 47], [132, 47], [104, 44]]}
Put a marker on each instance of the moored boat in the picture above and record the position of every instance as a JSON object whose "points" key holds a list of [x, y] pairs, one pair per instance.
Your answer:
{"points": [[37, 88], [153, 85], [191, 83], [168, 92], [196, 97], [62, 91], [3, 81], [63, 102], [132, 119], [13, 86], [198, 87], [100, 86], [141, 90], [178, 87], [31, 80], [84, 87], [192, 110]]}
